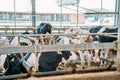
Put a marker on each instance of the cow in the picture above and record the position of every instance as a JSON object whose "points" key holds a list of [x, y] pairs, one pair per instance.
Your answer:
{"points": [[102, 38], [44, 28], [4, 59], [102, 29], [12, 65], [48, 61], [9, 62], [23, 41], [93, 39], [110, 52], [95, 30], [108, 39], [74, 37]]}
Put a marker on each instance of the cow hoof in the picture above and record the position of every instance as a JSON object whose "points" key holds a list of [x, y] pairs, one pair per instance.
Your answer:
{"points": [[29, 72]]}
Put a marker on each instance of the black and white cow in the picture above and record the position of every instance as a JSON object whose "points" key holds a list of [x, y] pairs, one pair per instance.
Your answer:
{"points": [[102, 29], [108, 39], [12, 65], [48, 61], [11, 61], [43, 28], [95, 30], [23, 41], [102, 38]]}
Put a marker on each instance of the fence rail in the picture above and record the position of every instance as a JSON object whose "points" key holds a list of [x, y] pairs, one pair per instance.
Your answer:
{"points": [[45, 48], [54, 47]]}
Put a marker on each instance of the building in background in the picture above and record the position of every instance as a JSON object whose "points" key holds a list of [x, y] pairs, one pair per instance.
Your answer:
{"points": [[6, 16]]}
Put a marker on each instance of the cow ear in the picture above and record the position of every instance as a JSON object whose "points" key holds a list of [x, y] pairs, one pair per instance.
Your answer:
{"points": [[8, 56], [13, 59]]}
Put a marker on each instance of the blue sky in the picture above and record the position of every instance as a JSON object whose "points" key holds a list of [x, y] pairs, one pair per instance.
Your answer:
{"points": [[51, 5]]}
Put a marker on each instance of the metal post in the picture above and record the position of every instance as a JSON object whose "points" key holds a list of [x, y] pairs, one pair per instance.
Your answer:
{"points": [[101, 18], [61, 15], [14, 15], [77, 12], [116, 15], [33, 14], [118, 47]]}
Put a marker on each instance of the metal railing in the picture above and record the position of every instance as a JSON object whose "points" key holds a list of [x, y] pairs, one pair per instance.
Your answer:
{"points": [[55, 47]]}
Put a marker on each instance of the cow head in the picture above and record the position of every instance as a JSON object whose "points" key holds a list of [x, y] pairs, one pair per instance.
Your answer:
{"points": [[12, 65], [44, 28]]}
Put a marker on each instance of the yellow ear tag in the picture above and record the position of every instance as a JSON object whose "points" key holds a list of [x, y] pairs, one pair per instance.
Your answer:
{"points": [[13, 59]]}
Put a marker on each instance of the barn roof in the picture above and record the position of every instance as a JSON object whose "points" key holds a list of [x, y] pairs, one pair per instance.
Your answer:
{"points": [[42, 6]]}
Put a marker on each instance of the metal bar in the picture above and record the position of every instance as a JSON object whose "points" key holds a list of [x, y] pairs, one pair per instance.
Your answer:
{"points": [[33, 13], [61, 15], [60, 72], [77, 13], [118, 47], [102, 13], [83, 46], [116, 11], [18, 49], [56, 26], [12, 76], [46, 48], [94, 12], [69, 35], [7, 29], [14, 15], [87, 9]]}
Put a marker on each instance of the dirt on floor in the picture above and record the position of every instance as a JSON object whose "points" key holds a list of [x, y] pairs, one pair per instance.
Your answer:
{"points": [[111, 75]]}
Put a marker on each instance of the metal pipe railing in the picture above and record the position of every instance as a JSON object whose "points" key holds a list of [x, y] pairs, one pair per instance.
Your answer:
{"points": [[60, 72]]}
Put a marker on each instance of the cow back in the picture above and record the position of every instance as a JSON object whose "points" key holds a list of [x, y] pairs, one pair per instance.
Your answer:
{"points": [[48, 61], [108, 39]]}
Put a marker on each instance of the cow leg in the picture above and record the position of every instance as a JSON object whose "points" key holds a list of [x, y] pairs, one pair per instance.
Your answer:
{"points": [[82, 58], [106, 56], [90, 56], [36, 63], [96, 58], [99, 53], [103, 55]]}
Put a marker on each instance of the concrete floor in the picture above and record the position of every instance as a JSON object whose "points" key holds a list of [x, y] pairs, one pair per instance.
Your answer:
{"points": [[111, 75]]}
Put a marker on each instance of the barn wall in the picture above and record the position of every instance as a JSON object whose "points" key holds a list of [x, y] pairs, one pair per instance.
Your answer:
{"points": [[81, 19]]}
